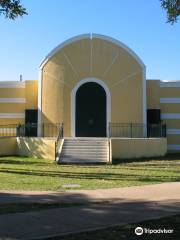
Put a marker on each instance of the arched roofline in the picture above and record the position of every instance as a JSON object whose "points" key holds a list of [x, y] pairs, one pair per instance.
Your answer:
{"points": [[90, 36]]}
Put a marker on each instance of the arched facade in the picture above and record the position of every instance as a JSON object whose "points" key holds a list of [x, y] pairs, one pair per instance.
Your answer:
{"points": [[92, 58]]}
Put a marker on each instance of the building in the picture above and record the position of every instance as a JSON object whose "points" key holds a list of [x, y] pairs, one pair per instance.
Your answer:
{"points": [[97, 87]]}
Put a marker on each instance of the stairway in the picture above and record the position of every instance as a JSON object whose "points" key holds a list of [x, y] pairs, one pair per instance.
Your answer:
{"points": [[85, 150]]}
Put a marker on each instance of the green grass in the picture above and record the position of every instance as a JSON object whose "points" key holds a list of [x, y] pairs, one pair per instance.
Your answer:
{"points": [[18, 173], [126, 232]]}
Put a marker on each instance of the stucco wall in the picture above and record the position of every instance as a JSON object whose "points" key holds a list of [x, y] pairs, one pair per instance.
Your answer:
{"points": [[36, 147], [136, 148], [15, 97], [8, 146], [153, 94], [120, 148], [31, 94], [97, 58]]}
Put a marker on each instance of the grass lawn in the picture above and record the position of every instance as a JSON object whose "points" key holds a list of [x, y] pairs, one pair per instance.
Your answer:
{"points": [[17, 173], [127, 232]]}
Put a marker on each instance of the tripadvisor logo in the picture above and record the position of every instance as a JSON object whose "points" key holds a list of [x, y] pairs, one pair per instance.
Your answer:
{"points": [[140, 231]]}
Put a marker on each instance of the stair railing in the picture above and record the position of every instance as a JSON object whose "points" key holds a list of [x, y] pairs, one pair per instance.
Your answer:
{"points": [[59, 142]]}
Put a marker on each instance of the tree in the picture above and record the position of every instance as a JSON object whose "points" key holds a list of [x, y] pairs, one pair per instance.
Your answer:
{"points": [[12, 9], [172, 8]]}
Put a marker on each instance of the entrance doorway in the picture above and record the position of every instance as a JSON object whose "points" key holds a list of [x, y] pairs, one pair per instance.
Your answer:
{"points": [[90, 110]]}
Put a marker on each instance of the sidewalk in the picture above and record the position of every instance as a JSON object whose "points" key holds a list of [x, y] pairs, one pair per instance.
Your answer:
{"points": [[155, 192], [127, 205]]}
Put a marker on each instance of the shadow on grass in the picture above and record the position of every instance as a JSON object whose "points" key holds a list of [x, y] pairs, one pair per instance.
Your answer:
{"points": [[27, 161], [115, 162], [92, 176], [170, 156]]}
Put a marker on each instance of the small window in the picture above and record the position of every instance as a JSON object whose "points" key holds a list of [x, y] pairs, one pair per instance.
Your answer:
{"points": [[153, 116]]}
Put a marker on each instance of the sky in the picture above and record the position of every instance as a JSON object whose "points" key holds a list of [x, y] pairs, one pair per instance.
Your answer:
{"points": [[140, 24]]}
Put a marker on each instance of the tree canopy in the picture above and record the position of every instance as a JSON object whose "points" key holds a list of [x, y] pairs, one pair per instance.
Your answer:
{"points": [[12, 9], [172, 8]]}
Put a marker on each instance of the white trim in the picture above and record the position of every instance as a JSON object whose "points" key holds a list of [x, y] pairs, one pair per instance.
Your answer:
{"points": [[170, 115], [169, 100], [110, 65], [91, 36], [165, 80], [71, 65], [173, 131], [169, 84], [73, 103], [63, 44], [40, 103], [125, 78], [173, 147], [120, 44], [12, 100], [7, 130], [12, 115], [12, 84], [144, 102]]}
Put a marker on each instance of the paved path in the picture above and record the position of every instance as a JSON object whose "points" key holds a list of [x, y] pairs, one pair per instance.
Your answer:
{"points": [[127, 205]]}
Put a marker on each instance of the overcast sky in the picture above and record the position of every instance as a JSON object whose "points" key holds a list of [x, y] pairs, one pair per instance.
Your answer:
{"points": [[140, 24]]}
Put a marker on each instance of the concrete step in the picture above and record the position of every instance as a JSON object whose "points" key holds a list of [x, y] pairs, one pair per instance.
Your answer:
{"points": [[78, 160], [83, 156], [85, 150], [84, 147], [85, 143]]}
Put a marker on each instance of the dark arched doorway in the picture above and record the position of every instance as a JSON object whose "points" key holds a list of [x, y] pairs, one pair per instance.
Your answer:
{"points": [[90, 110]]}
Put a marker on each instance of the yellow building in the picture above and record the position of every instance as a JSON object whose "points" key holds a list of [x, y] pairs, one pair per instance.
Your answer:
{"points": [[97, 87]]}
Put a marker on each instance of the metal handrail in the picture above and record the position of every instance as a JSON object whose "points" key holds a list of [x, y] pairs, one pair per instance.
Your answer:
{"points": [[58, 140], [137, 130]]}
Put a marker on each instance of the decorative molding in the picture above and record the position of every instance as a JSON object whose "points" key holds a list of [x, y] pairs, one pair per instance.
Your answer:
{"points": [[110, 65], [169, 84], [169, 100], [12, 115], [91, 36], [12, 100], [71, 65], [170, 115], [173, 131], [12, 84], [120, 44], [63, 44]]}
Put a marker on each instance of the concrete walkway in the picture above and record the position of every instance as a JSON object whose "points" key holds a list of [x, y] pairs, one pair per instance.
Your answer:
{"points": [[125, 205]]}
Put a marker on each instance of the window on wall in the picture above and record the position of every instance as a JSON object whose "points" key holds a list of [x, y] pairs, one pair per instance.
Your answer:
{"points": [[153, 116], [31, 116]]}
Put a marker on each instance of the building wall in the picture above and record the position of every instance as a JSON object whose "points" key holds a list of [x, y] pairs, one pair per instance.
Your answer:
{"points": [[153, 94], [15, 98], [97, 58], [8, 146], [166, 97], [36, 147], [31, 94], [170, 113], [128, 148]]}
